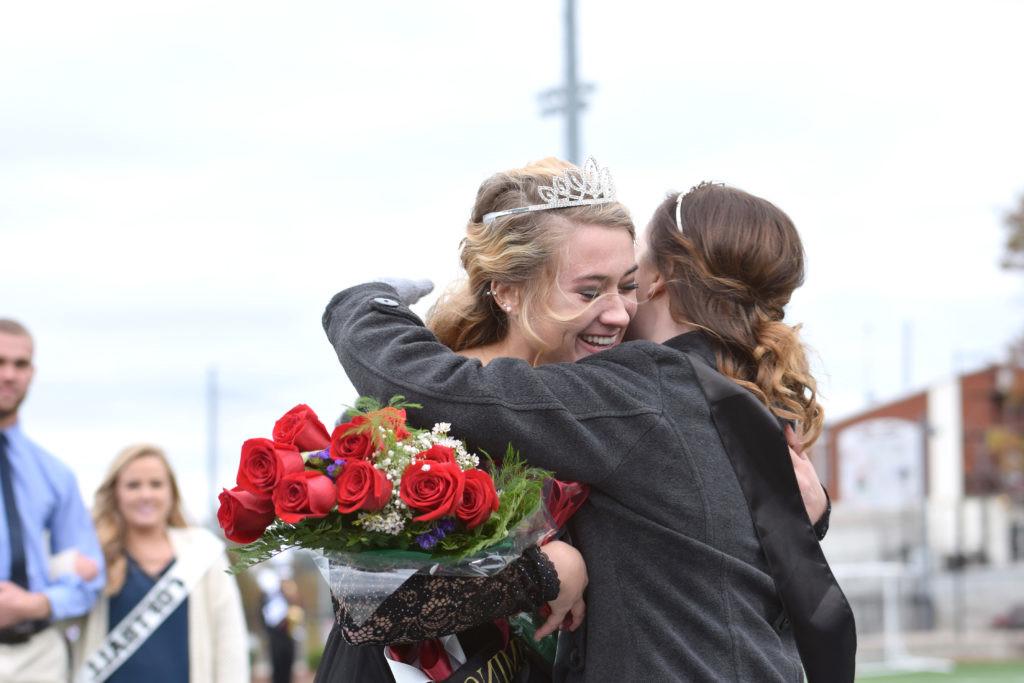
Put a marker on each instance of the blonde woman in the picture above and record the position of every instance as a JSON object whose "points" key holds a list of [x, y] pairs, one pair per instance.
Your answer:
{"points": [[169, 612], [476, 319]]}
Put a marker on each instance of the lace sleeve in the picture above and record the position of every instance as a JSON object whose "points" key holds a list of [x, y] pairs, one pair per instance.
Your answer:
{"points": [[431, 606]]}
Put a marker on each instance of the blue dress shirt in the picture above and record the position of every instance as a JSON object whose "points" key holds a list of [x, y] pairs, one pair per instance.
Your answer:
{"points": [[50, 509]]}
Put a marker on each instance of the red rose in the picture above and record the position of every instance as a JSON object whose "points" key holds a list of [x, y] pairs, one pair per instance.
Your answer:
{"points": [[395, 419], [264, 463], [437, 453], [479, 499], [304, 494], [244, 516], [564, 498], [361, 486], [301, 428], [433, 487], [352, 440]]}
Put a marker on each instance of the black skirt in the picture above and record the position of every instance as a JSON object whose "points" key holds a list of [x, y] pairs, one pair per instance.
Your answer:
{"points": [[516, 662]]}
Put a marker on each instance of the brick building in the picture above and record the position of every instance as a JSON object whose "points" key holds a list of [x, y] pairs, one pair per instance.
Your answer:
{"points": [[939, 471]]}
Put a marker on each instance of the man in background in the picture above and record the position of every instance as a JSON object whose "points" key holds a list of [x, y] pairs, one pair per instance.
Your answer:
{"points": [[41, 516], [278, 610]]}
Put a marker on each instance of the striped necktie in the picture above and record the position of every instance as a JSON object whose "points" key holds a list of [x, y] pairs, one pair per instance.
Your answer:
{"points": [[14, 533]]}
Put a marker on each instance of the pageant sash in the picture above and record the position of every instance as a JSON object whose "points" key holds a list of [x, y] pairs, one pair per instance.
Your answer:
{"points": [[510, 664], [432, 665], [147, 616], [819, 614], [494, 656]]}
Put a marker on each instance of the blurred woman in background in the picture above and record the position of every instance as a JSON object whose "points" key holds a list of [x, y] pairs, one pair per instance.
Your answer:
{"points": [[169, 613]]}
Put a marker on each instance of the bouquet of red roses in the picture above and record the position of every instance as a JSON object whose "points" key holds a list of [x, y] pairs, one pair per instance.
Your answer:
{"points": [[380, 500]]}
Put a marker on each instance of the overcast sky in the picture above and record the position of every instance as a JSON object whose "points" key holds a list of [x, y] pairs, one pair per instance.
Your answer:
{"points": [[184, 187]]}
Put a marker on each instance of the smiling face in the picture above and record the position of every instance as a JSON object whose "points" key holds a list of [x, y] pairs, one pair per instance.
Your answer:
{"points": [[590, 302], [144, 495]]}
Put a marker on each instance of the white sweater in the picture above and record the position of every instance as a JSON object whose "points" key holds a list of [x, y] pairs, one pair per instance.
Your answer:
{"points": [[217, 636]]}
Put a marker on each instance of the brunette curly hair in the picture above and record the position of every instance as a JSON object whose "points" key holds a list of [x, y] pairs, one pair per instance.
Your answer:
{"points": [[730, 271]]}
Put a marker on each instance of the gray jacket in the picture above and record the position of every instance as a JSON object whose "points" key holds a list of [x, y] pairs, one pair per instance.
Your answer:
{"points": [[679, 586]]}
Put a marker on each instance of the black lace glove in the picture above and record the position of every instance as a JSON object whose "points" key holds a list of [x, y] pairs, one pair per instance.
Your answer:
{"points": [[431, 606]]}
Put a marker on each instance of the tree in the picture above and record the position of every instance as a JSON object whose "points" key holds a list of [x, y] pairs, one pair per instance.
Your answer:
{"points": [[1013, 258]]}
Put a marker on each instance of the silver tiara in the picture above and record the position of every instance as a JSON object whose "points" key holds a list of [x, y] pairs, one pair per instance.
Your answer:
{"points": [[575, 187]]}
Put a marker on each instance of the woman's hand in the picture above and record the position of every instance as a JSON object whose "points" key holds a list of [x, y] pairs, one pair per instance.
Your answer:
{"points": [[815, 500], [572, 575], [86, 567]]}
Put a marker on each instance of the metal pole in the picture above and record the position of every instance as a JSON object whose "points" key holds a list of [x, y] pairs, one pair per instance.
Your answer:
{"points": [[211, 439], [568, 100], [907, 354], [926, 603], [869, 394], [959, 599], [572, 104]]}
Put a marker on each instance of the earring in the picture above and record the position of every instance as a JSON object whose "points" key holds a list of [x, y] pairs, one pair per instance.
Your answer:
{"points": [[508, 309]]}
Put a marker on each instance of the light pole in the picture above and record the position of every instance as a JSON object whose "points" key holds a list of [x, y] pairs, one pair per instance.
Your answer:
{"points": [[211, 440], [570, 98]]}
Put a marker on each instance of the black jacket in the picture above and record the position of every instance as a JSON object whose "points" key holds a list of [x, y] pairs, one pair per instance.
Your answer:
{"points": [[703, 565]]}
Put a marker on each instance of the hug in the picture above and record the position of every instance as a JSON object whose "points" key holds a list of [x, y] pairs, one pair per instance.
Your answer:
{"points": [[656, 368]]}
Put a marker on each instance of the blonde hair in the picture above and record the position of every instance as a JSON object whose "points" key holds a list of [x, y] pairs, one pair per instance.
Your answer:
{"points": [[730, 271], [518, 249], [110, 525]]}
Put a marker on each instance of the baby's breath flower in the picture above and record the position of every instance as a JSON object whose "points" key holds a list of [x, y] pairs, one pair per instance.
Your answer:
{"points": [[388, 522], [467, 461]]}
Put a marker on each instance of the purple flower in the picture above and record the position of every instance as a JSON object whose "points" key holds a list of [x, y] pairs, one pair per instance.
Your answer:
{"points": [[334, 467], [429, 539]]}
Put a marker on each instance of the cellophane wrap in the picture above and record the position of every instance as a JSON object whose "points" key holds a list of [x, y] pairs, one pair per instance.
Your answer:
{"points": [[361, 581]]}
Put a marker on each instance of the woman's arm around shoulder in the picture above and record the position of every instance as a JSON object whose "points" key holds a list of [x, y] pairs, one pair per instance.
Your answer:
{"points": [[560, 416]]}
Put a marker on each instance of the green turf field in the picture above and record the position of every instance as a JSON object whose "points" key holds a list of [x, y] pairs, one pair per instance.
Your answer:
{"points": [[1001, 672]]}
